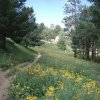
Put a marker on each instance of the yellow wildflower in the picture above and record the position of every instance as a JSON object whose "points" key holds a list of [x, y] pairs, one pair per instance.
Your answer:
{"points": [[50, 91], [98, 90], [79, 78], [78, 98], [60, 85], [51, 70], [18, 85], [66, 74], [89, 86], [32, 98], [57, 98]]}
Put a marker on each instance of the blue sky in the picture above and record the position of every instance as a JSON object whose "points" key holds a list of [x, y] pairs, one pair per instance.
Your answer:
{"points": [[49, 11]]}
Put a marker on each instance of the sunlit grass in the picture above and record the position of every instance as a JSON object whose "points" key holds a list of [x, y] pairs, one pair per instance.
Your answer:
{"points": [[53, 57], [50, 83], [14, 54], [58, 76]]}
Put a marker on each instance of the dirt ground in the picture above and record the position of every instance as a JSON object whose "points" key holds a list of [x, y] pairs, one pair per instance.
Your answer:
{"points": [[4, 85]]}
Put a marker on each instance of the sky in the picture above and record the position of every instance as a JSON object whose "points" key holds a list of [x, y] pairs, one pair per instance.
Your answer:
{"points": [[49, 11]]}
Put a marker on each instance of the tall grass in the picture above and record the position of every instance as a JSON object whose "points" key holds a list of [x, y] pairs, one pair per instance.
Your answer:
{"points": [[15, 54], [56, 58], [58, 76]]}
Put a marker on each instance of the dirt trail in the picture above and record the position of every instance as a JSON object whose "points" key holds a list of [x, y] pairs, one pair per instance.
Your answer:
{"points": [[29, 64], [36, 59], [4, 85], [4, 81]]}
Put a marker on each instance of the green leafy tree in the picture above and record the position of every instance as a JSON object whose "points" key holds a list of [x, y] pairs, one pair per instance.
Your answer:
{"points": [[41, 27], [47, 34], [34, 38], [61, 43], [57, 29]]}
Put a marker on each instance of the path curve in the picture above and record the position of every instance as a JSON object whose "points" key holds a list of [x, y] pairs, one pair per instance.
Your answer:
{"points": [[37, 58], [4, 81], [29, 64]]}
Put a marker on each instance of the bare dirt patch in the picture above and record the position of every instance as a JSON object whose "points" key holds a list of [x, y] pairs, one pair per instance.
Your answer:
{"points": [[4, 85]]}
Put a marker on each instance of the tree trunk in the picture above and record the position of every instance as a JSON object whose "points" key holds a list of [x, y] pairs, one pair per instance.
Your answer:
{"points": [[93, 52], [75, 52], [87, 53], [87, 49], [83, 53], [2, 41]]}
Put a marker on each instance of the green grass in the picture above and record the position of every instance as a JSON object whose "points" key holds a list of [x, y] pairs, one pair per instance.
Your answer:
{"points": [[50, 83], [15, 54], [58, 76], [54, 47], [56, 58]]}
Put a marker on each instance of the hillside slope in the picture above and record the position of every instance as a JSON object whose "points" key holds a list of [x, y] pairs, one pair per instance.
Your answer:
{"points": [[15, 54]]}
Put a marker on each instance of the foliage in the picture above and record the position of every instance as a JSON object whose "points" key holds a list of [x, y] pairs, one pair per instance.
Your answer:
{"points": [[14, 54], [56, 30], [48, 33], [46, 83], [61, 44], [16, 20], [85, 36], [72, 10], [52, 56], [41, 27], [32, 39], [57, 76]]}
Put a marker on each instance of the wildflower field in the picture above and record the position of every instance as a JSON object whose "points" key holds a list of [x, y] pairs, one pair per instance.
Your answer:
{"points": [[57, 76]]}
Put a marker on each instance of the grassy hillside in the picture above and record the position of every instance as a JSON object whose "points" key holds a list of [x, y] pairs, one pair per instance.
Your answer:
{"points": [[57, 76], [51, 56], [54, 47], [14, 54]]}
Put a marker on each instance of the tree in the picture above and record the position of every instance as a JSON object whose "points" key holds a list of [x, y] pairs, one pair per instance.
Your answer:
{"points": [[32, 39], [47, 34], [14, 19], [72, 11], [57, 29], [62, 43], [41, 27], [95, 13], [86, 35]]}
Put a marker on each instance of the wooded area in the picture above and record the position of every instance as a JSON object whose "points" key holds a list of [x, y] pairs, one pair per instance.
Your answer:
{"points": [[18, 22], [38, 62], [86, 32]]}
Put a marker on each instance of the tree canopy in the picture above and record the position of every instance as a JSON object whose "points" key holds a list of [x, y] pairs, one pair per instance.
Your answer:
{"points": [[86, 34], [16, 20]]}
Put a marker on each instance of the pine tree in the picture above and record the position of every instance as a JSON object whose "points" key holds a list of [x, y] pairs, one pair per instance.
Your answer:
{"points": [[95, 13], [14, 19], [72, 11]]}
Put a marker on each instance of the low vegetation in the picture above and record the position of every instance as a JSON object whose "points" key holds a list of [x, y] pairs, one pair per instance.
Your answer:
{"points": [[39, 83], [57, 76], [14, 54]]}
